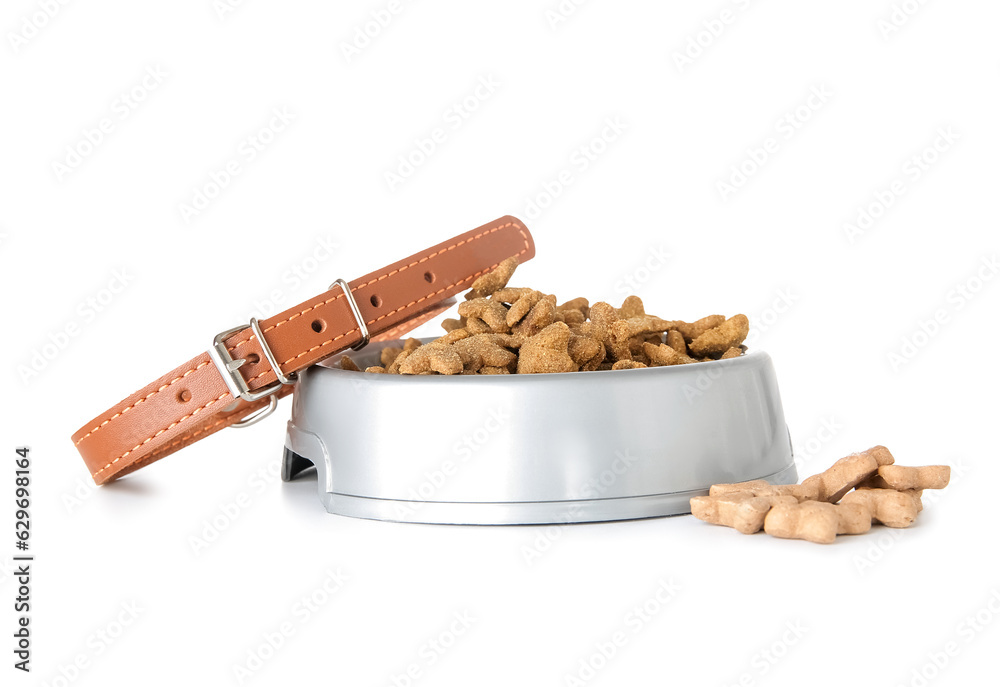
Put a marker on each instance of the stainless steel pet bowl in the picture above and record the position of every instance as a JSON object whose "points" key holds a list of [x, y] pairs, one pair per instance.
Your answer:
{"points": [[543, 448]]}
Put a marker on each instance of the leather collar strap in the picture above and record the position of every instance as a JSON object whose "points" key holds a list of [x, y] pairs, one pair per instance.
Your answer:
{"points": [[195, 400]]}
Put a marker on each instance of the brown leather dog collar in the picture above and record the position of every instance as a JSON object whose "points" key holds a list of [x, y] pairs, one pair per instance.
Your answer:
{"points": [[240, 378]]}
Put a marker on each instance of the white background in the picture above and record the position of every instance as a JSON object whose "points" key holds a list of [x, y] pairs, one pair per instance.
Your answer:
{"points": [[831, 305]]}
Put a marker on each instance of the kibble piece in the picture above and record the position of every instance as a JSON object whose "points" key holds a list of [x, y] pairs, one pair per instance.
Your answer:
{"points": [[474, 325], [731, 353], [816, 521], [603, 315], [581, 304], [676, 341], [411, 344], [483, 350], [393, 367], [439, 358], [511, 294], [890, 507], [507, 340], [493, 281], [520, 308], [628, 365], [663, 354], [347, 364], [451, 323], [389, 354], [631, 307], [453, 336], [649, 324], [619, 338], [541, 315], [585, 329], [692, 330], [742, 511], [491, 312], [608, 328], [585, 351], [635, 345], [548, 351], [847, 473], [720, 339], [378, 369]]}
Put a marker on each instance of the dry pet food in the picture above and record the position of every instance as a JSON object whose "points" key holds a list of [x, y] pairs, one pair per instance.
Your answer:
{"points": [[856, 491], [890, 507], [741, 510], [903, 478], [848, 472], [759, 487], [506, 330], [817, 521]]}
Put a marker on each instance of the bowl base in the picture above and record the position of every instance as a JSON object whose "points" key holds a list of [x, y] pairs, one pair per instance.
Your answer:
{"points": [[514, 512]]}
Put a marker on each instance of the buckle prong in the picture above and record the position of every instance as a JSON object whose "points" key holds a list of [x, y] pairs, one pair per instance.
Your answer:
{"points": [[229, 368]]}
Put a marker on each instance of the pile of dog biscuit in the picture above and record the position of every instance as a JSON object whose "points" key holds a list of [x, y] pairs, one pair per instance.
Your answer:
{"points": [[856, 491], [504, 330]]}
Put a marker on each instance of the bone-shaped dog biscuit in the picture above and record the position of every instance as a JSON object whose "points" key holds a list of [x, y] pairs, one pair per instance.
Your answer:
{"points": [[848, 472], [817, 521], [740, 510], [890, 507], [759, 487], [902, 478]]}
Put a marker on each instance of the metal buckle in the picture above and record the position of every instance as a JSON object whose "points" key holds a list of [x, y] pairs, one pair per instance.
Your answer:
{"points": [[229, 368], [362, 327]]}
